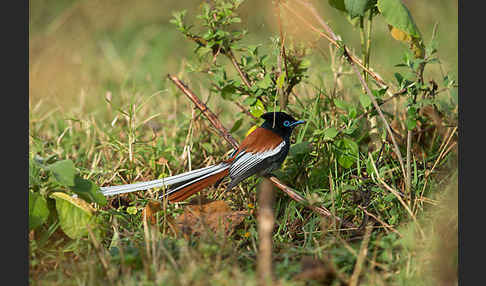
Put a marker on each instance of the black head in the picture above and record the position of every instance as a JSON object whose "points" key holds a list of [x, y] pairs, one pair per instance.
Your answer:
{"points": [[280, 123]]}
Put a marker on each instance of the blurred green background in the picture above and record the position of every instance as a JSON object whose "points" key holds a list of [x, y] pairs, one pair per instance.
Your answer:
{"points": [[79, 50]]}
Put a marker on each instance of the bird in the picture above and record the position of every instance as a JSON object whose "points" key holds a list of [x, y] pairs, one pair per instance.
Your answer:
{"points": [[260, 153]]}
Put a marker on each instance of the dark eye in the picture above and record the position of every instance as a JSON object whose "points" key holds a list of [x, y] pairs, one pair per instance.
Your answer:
{"points": [[286, 123]]}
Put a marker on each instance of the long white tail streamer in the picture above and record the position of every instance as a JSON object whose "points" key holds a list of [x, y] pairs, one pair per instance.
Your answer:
{"points": [[164, 182]]}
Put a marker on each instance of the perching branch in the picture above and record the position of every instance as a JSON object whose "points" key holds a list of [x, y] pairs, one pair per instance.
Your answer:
{"points": [[227, 136]]}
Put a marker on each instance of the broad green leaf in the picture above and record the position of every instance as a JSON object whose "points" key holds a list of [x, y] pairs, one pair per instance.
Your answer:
{"points": [[351, 128], [88, 191], [300, 148], [34, 173], [249, 100], [258, 109], [347, 152], [227, 91], [399, 78], [38, 211], [338, 4], [356, 7], [411, 120], [75, 215], [353, 112], [237, 125], [330, 133], [365, 100], [341, 104], [304, 64], [266, 82], [64, 172], [398, 15], [203, 51]]}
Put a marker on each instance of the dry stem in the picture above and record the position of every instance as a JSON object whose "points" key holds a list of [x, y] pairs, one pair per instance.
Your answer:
{"points": [[266, 222], [225, 134]]}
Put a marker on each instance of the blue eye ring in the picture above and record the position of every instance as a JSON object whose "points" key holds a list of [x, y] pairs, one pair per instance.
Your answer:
{"points": [[286, 123]]}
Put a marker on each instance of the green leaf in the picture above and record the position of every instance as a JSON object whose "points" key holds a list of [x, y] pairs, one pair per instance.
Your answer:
{"points": [[398, 15], [300, 149], [38, 211], [356, 7], [388, 198], [207, 146], [258, 109], [34, 173], [304, 64], [351, 128], [353, 112], [347, 152], [365, 100], [64, 172], [266, 82], [341, 104], [338, 4], [237, 125], [411, 120], [330, 133], [132, 210], [203, 51], [249, 101], [75, 215], [88, 191], [399, 78]]}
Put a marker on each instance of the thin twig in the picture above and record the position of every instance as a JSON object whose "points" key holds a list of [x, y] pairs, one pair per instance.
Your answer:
{"points": [[408, 177], [204, 109], [227, 136], [243, 76], [385, 225]]}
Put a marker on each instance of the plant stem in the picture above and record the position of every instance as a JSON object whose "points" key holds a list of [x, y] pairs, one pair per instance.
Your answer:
{"points": [[243, 77], [368, 42], [284, 96], [266, 222], [408, 179], [362, 37]]}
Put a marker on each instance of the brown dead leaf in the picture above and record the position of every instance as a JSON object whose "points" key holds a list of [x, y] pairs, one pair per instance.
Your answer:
{"points": [[214, 216], [162, 161], [150, 209]]}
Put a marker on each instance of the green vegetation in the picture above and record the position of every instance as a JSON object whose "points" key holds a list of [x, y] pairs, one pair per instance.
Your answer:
{"points": [[102, 112]]}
